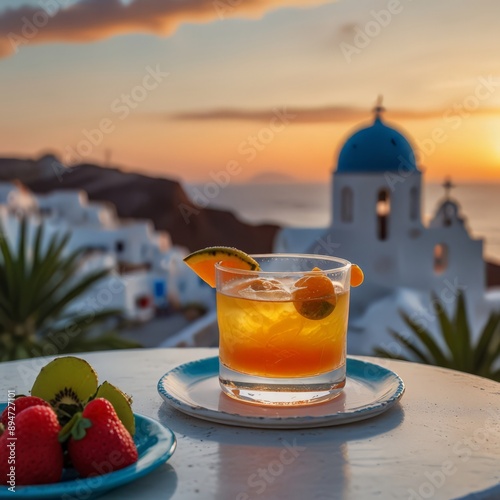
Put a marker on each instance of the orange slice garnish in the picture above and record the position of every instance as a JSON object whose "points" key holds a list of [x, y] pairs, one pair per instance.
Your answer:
{"points": [[357, 276], [202, 262], [314, 295]]}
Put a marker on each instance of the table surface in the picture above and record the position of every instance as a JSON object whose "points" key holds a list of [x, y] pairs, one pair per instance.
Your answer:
{"points": [[441, 441]]}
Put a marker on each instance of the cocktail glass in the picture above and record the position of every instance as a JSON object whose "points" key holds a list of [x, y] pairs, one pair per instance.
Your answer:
{"points": [[283, 329]]}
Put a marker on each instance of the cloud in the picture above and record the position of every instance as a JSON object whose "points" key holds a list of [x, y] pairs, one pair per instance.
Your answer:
{"points": [[93, 20], [326, 114]]}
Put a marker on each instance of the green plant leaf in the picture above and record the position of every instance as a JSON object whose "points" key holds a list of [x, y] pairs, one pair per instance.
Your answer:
{"points": [[446, 325], [482, 359], [37, 247], [8, 266], [492, 356], [39, 281], [438, 357], [486, 341], [465, 359], [44, 288], [421, 356], [78, 289], [21, 251]]}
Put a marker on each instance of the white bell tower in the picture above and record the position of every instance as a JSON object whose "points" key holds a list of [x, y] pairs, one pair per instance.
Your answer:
{"points": [[377, 185]]}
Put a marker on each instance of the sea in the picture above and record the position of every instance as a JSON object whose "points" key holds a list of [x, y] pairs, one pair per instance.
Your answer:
{"points": [[308, 205]]}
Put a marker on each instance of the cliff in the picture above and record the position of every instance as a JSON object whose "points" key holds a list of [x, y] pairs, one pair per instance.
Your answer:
{"points": [[162, 200], [139, 196]]}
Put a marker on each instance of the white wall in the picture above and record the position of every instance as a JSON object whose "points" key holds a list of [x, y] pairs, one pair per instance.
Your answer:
{"points": [[365, 188]]}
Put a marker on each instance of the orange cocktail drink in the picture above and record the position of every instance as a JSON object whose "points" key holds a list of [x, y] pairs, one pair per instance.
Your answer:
{"points": [[270, 338], [282, 329]]}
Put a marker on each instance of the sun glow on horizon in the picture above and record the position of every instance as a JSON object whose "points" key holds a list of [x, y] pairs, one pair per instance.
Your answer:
{"points": [[228, 76]]}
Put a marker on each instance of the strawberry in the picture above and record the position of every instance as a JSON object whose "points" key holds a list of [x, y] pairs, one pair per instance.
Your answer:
{"points": [[99, 442], [35, 456], [18, 405]]}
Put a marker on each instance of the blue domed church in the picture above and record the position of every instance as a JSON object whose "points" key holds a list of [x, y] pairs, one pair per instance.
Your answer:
{"points": [[377, 223]]}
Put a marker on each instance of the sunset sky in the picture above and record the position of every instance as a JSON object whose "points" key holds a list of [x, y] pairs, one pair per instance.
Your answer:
{"points": [[185, 88]]}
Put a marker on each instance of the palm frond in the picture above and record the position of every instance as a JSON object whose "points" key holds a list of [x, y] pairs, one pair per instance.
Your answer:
{"points": [[445, 324], [464, 358], [420, 355], [8, 267], [39, 282], [57, 306], [481, 358], [485, 342], [437, 356]]}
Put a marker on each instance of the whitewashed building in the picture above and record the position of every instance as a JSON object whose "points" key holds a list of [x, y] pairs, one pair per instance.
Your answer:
{"points": [[376, 222], [146, 271]]}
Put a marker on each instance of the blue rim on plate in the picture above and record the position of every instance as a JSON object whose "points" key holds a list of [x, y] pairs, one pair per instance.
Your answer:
{"points": [[193, 388], [155, 444]]}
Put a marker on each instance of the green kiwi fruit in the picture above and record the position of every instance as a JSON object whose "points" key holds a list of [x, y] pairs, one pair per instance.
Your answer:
{"points": [[121, 403], [67, 384]]}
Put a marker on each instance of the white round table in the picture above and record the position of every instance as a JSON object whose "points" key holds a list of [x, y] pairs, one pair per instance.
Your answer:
{"points": [[441, 441]]}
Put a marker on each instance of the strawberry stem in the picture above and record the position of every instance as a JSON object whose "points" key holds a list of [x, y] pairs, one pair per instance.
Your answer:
{"points": [[75, 428]]}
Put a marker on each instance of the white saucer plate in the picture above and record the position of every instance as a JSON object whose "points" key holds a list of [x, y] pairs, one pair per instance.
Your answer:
{"points": [[193, 388]]}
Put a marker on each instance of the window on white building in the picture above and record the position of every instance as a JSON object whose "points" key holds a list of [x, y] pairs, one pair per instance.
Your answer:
{"points": [[45, 211], [383, 213], [120, 246], [414, 203], [441, 258], [145, 251], [346, 204]]}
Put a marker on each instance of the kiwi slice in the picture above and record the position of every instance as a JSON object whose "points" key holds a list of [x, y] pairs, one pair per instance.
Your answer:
{"points": [[121, 403], [67, 384]]}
